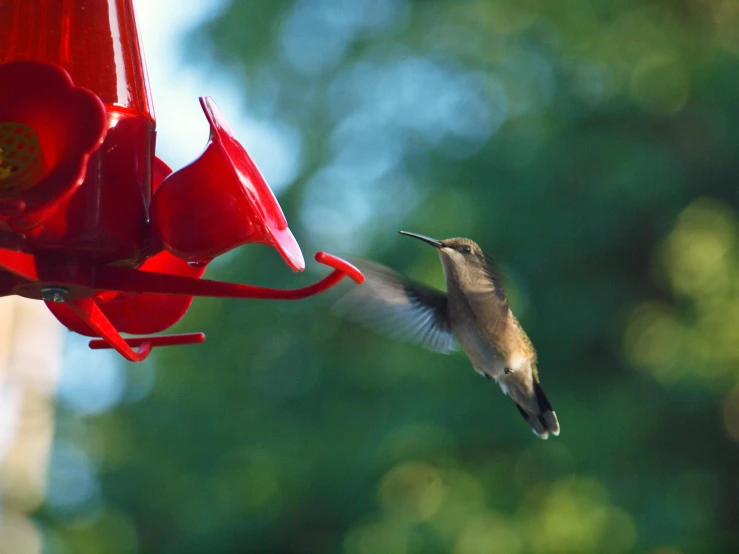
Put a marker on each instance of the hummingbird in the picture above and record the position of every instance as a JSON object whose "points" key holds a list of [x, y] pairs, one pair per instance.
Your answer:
{"points": [[473, 313]]}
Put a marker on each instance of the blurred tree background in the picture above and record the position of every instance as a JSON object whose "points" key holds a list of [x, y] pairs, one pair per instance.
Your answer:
{"points": [[590, 146]]}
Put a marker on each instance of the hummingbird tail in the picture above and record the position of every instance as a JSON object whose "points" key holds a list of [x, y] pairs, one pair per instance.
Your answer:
{"points": [[545, 421]]}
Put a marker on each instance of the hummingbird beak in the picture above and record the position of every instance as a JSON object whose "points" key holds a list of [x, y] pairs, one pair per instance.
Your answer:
{"points": [[433, 242]]}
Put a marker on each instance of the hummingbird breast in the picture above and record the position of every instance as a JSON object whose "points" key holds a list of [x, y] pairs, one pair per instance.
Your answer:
{"points": [[480, 334]]}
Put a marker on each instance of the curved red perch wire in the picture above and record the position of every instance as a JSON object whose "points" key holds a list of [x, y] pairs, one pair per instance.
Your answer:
{"points": [[122, 279], [158, 340], [133, 281]]}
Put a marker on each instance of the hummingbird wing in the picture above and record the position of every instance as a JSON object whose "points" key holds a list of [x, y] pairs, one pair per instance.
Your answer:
{"points": [[402, 308], [488, 300]]}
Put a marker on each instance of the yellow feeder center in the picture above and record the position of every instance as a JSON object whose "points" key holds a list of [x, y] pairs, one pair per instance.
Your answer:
{"points": [[21, 159]]}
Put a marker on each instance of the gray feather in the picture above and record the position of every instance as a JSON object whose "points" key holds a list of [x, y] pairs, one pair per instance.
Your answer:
{"points": [[399, 307]]}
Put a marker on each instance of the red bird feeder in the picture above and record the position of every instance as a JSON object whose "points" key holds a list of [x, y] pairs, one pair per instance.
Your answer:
{"points": [[91, 222]]}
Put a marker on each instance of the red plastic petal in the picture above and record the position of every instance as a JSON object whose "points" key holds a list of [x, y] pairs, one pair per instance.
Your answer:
{"points": [[69, 123], [142, 314], [220, 201], [138, 314]]}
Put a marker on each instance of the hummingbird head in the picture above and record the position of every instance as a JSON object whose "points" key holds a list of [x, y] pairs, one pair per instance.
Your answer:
{"points": [[466, 266], [521, 382], [461, 257]]}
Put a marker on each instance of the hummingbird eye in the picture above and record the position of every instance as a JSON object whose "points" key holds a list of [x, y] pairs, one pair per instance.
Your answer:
{"points": [[507, 370], [465, 249]]}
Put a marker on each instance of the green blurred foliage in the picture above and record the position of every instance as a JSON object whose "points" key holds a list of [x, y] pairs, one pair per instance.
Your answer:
{"points": [[589, 145]]}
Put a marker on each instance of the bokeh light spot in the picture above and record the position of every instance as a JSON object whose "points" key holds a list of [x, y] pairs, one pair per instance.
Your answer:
{"points": [[19, 535], [695, 252], [464, 498], [412, 491], [726, 17], [660, 84], [653, 340], [488, 533], [576, 515], [384, 536], [696, 336], [72, 480], [85, 387]]}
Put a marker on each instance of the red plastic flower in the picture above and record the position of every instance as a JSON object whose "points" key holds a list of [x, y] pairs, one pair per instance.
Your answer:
{"points": [[220, 201], [48, 129]]}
